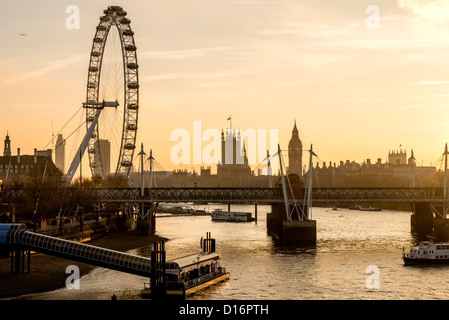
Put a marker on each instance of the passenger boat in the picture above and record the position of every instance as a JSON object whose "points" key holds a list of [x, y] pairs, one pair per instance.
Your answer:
{"points": [[370, 209], [190, 274], [427, 253], [360, 208], [231, 216]]}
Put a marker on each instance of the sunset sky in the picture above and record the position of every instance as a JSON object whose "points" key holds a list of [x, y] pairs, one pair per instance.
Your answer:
{"points": [[356, 91]]}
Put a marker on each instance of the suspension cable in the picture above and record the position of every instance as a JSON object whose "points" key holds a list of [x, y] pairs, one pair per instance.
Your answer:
{"points": [[63, 128]]}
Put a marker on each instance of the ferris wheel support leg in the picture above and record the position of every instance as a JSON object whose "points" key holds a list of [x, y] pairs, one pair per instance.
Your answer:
{"points": [[79, 154]]}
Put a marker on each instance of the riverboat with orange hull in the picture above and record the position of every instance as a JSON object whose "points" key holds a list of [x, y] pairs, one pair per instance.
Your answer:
{"points": [[184, 276], [187, 275]]}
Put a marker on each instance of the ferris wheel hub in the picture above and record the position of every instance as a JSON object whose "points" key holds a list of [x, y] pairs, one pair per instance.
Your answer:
{"points": [[100, 105]]}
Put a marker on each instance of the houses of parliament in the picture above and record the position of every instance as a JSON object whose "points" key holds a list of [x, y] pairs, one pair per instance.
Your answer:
{"points": [[233, 169]]}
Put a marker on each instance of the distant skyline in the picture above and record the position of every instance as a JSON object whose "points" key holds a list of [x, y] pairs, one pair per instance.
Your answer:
{"points": [[357, 89]]}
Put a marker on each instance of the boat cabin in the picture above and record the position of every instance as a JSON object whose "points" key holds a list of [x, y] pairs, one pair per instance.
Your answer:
{"points": [[430, 250], [192, 267]]}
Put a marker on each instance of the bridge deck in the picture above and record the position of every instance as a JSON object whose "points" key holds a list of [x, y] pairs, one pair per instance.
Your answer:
{"points": [[272, 195], [257, 195]]}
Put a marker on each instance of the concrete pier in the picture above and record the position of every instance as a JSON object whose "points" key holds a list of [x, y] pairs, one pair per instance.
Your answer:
{"points": [[147, 225], [295, 232], [421, 221], [441, 229], [426, 223], [299, 233], [290, 232]]}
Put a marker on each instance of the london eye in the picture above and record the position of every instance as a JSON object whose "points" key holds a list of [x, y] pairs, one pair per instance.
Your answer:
{"points": [[113, 91]]}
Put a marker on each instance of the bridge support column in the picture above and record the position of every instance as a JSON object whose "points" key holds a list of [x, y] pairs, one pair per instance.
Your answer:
{"points": [[441, 229], [146, 220], [18, 259], [290, 232], [440, 223], [158, 287], [422, 219]]}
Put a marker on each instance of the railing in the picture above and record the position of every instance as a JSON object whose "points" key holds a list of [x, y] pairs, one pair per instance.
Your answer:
{"points": [[258, 195], [326, 195], [272, 195], [234, 195], [72, 227], [86, 253]]}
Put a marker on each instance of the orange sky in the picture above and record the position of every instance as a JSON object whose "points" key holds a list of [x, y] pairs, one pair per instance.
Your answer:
{"points": [[355, 91]]}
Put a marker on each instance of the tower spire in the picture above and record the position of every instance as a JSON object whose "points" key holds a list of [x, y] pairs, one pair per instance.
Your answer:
{"points": [[295, 153], [295, 129], [7, 148]]}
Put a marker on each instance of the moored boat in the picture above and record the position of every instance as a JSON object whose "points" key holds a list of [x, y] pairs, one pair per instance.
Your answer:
{"points": [[189, 274], [360, 208], [231, 216], [370, 209], [427, 253]]}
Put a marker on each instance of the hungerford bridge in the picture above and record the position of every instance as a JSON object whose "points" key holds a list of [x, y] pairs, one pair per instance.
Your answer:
{"points": [[428, 204], [271, 195]]}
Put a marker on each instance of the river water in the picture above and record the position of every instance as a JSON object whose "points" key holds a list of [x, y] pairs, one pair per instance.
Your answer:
{"points": [[349, 245]]}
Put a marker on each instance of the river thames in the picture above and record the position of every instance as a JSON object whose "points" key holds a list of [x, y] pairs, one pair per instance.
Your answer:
{"points": [[350, 245]]}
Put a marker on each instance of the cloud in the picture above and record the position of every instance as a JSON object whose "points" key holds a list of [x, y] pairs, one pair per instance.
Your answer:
{"points": [[308, 29], [46, 68], [255, 2], [183, 54], [435, 11], [184, 76], [440, 82]]}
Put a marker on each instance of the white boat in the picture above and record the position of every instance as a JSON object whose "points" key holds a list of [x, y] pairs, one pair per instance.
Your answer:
{"points": [[360, 208], [427, 253], [231, 216], [370, 209]]}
